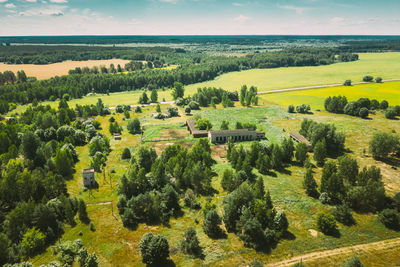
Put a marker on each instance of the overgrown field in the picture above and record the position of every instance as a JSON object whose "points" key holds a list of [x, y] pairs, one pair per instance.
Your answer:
{"points": [[386, 65], [118, 246]]}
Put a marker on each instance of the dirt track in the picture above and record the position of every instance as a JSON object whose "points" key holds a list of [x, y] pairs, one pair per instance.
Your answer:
{"points": [[318, 87], [363, 248]]}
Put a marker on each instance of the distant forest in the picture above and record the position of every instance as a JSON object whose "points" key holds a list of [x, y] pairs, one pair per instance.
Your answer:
{"points": [[201, 39], [204, 69], [35, 54]]}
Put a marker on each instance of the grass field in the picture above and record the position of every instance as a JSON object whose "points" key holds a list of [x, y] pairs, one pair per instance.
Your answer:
{"points": [[386, 65], [118, 246], [389, 91], [57, 69]]}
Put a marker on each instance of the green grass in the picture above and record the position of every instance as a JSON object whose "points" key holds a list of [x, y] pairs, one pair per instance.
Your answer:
{"points": [[389, 91], [386, 65], [116, 245], [262, 116]]}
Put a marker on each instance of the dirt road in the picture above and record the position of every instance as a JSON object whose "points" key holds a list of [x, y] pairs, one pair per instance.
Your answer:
{"points": [[317, 87], [363, 248]]}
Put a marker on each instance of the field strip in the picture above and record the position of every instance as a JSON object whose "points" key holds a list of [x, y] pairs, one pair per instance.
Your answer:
{"points": [[317, 87], [366, 248]]}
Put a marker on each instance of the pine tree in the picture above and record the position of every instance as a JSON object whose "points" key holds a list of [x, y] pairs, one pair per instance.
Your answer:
{"points": [[310, 184]]}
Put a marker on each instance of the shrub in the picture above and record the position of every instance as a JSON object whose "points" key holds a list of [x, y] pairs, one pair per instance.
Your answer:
{"points": [[32, 242], [363, 113], [291, 109], [378, 79], [320, 152], [384, 105], [126, 153], [154, 249], [190, 244], [382, 144], [324, 198], [91, 226], [203, 124], [326, 224], [138, 109], [353, 262], [194, 105], [134, 126], [390, 113], [343, 214], [347, 83], [389, 218], [211, 224], [310, 184], [368, 78], [82, 213], [188, 110]]}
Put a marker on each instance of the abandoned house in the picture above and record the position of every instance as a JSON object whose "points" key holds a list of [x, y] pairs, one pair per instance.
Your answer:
{"points": [[88, 177], [301, 139], [223, 136]]}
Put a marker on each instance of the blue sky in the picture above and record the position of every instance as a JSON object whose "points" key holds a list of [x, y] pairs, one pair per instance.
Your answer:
{"points": [[194, 17]]}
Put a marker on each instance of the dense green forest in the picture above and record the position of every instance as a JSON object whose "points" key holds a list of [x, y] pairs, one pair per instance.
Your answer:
{"points": [[36, 54], [207, 68]]}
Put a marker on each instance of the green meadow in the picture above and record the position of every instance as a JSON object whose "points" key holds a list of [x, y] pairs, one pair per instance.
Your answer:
{"points": [[389, 91], [385, 65]]}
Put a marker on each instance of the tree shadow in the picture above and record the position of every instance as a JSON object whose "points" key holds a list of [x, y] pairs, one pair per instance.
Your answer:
{"points": [[288, 236], [392, 161], [285, 171]]}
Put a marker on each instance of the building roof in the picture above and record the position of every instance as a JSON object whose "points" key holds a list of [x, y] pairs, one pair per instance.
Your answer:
{"points": [[300, 138], [89, 170], [237, 131], [193, 129]]}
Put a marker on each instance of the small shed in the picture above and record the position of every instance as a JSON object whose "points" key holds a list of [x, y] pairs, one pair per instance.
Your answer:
{"points": [[117, 137], [88, 177], [301, 139]]}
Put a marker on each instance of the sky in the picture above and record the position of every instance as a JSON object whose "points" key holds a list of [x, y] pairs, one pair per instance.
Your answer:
{"points": [[199, 17]]}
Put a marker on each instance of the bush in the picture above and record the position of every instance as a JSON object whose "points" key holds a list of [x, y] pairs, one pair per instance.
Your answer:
{"points": [[126, 153], [368, 78], [194, 105], [91, 226], [190, 244], [203, 124], [390, 113], [188, 110], [291, 109], [134, 126], [343, 214], [389, 218], [326, 224], [384, 105], [303, 108], [347, 83], [310, 184], [382, 144], [378, 79], [138, 109], [353, 262], [324, 198], [33, 242], [154, 249], [320, 152], [363, 113], [211, 224]]}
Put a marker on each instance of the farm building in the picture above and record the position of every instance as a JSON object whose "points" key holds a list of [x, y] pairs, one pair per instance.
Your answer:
{"points": [[236, 135], [117, 137], [222, 136], [196, 133], [301, 139], [88, 177]]}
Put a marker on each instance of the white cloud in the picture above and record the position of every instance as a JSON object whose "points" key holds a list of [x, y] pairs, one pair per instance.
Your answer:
{"points": [[337, 20], [297, 9], [237, 4], [10, 5], [3, 1], [169, 1], [59, 1], [31, 1], [242, 18], [55, 11]]}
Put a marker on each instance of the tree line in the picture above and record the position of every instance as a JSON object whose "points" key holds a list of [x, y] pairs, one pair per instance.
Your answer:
{"points": [[79, 85]]}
